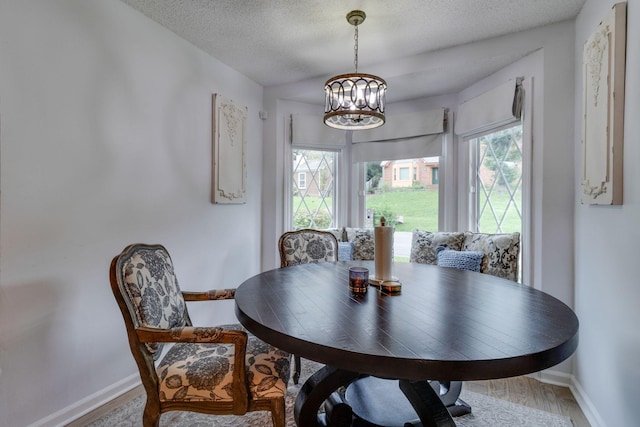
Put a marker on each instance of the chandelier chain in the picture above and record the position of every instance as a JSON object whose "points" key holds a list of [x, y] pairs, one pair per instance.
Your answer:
{"points": [[355, 49]]}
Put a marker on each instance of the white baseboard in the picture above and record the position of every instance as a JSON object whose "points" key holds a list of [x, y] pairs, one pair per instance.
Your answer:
{"points": [[570, 381], [593, 416], [90, 403], [555, 377]]}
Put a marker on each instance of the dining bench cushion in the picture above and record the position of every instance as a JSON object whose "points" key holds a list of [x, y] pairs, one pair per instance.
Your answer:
{"points": [[424, 244]]}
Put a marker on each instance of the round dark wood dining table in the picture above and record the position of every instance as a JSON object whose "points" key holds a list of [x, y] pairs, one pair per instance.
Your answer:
{"points": [[445, 324]]}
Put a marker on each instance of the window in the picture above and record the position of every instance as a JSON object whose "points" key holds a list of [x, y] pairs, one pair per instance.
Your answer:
{"points": [[404, 174], [495, 170], [497, 157], [405, 204], [313, 192], [434, 175]]}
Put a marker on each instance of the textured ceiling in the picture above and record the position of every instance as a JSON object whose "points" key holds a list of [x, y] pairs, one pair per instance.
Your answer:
{"points": [[285, 41]]}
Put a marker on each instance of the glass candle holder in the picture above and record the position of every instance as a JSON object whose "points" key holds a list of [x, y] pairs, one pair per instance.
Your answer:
{"points": [[358, 279]]}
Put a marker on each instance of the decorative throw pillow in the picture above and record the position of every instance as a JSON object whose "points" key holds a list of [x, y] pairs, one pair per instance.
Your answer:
{"points": [[502, 252], [363, 243], [462, 260], [338, 232], [345, 251], [424, 244]]}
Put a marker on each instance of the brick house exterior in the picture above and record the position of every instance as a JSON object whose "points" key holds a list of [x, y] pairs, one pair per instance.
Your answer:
{"points": [[308, 175], [403, 173]]}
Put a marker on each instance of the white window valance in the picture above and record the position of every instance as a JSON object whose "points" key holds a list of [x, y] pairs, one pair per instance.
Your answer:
{"points": [[492, 109], [408, 148], [404, 136], [309, 131]]}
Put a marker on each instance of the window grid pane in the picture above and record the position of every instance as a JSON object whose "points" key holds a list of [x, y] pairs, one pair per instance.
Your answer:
{"points": [[499, 181], [313, 201]]}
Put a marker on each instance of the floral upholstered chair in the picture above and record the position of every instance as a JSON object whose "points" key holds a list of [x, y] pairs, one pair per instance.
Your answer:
{"points": [[213, 370], [307, 245], [302, 247]]}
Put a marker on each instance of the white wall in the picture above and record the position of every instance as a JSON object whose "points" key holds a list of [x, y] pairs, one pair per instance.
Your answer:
{"points": [[606, 248], [105, 136], [105, 140]]}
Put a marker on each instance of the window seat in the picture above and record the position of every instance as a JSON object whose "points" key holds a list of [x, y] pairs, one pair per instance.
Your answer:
{"points": [[500, 251]]}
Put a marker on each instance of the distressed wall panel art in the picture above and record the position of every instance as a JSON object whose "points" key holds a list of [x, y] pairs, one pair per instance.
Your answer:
{"points": [[229, 175], [604, 71]]}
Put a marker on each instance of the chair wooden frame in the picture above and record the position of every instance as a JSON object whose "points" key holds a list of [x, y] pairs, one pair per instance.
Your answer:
{"points": [[139, 336]]}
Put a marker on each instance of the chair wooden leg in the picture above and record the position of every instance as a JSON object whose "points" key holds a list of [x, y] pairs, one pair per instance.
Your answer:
{"points": [[296, 369], [151, 415], [278, 412]]}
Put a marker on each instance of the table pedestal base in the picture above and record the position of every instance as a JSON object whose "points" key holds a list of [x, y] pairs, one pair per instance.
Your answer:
{"points": [[373, 400], [392, 403], [315, 391]]}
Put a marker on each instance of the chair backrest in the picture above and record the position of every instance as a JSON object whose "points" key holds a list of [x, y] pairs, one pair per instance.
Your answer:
{"points": [[147, 291], [306, 246]]}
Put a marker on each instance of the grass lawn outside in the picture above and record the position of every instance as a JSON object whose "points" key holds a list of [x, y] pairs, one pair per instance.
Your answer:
{"points": [[419, 209], [500, 202]]}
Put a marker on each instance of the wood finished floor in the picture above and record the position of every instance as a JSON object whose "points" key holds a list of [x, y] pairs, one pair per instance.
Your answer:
{"points": [[522, 390], [530, 392]]}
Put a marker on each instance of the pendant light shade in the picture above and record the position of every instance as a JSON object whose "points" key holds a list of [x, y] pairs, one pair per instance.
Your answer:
{"points": [[355, 101]]}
